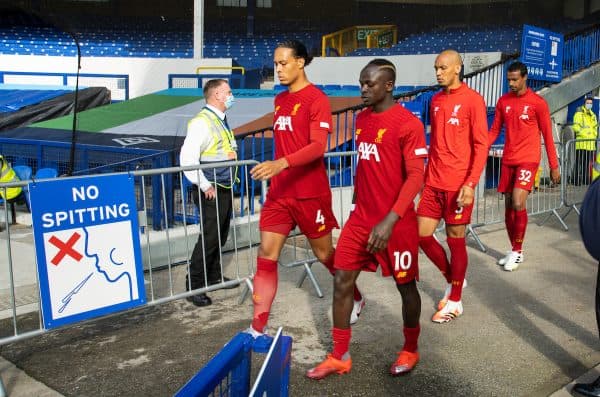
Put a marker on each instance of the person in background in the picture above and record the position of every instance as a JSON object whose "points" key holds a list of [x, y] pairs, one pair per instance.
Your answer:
{"points": [[457, 154], [524, 115], [210, 140], [299, 192], [382, 229], [585, 127]]}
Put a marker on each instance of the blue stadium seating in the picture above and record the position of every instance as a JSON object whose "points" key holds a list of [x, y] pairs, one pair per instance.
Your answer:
{"points": [[491, 39], [251, 52]]}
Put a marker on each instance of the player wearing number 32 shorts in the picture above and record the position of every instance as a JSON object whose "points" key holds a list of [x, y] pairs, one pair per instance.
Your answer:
{"points": [[524, 114]]}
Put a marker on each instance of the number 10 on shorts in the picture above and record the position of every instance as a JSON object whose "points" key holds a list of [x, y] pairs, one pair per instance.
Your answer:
{"points": [[403, 260]]}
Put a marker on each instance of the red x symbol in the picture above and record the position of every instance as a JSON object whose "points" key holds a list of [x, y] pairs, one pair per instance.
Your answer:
{"points": [[65, 249]]}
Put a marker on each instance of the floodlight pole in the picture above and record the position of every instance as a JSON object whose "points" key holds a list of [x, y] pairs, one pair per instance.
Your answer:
{"points": [[198, 26], [75, 102]]}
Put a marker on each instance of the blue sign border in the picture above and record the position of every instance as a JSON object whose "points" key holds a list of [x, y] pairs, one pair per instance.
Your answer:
{"points": [[47, 196]]}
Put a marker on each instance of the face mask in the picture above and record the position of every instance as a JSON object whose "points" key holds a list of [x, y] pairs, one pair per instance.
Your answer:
{"points": [[588, 106], [229, 101]]}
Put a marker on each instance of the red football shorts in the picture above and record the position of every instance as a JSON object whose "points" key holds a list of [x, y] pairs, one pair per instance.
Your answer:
{"points": [[399, 259], [438, 204], [520, 176], [313, 216]]}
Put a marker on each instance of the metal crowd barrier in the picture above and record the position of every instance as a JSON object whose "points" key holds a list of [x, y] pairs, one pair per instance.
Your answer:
{"points": [[576, 168], [165, 253], [489, 206], [341, 167]]}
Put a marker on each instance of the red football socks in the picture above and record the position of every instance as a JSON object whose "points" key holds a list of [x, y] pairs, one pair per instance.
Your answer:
{"points": [[509, 220], [520, 227], [265, 288], [341, 341], [411, 337], [458, 264], [435, 252]]}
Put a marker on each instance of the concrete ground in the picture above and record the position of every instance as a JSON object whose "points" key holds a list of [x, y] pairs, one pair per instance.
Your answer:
{"points": [[525, 333]]}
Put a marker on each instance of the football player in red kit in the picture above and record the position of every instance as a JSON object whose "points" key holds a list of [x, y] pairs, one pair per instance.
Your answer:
{"points": [[382, 228], [524, 114], [457, 154], [299, 193]]}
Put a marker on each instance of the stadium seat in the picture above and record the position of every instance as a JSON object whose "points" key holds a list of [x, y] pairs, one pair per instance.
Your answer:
{"points": [[24, 173], [46, 173]]}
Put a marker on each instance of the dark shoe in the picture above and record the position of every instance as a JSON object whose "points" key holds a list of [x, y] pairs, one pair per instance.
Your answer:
{"points": [[225, 279], [200, 300], [588, 389]]}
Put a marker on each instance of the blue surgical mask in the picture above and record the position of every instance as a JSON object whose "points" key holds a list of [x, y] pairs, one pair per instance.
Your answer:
{"points": [[588, 106], [229, 101]]}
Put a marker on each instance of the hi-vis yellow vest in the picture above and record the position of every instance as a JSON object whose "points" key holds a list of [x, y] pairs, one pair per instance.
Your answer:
{"points": [[596, 168], [585, 126], [222, 148], [7, 174]]}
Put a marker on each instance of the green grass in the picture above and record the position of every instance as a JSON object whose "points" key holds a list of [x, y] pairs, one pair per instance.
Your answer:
{"points": [[108, 116]]}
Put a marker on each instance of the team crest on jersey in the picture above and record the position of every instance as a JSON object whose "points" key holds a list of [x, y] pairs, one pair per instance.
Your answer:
{"points": [[296, 107], [366, 150], [435, 110], [277, 108], [453, 120], [284, 123], [358, 131], [506, 109], [380, 135], [524, 115]]}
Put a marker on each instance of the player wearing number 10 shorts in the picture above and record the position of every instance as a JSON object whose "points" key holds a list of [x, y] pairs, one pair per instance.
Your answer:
{"points": [[382, 229], [524, 114]]}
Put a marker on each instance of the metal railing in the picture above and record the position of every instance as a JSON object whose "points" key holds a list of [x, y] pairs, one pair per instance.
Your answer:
{"points": [[163, 252]]}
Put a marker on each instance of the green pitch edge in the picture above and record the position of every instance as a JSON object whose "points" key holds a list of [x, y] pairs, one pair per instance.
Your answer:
{"points": [[104, 117]]}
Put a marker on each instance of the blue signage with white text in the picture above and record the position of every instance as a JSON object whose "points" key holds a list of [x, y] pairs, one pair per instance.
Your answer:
{"points": [[542, 52], [87, 247]]}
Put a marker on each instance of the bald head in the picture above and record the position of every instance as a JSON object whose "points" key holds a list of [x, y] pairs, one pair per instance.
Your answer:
{"points": [[448, 65], [452, 56]]}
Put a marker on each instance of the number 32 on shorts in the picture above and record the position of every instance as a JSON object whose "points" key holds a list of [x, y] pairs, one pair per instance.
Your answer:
{"points": [[402, 263], [525, 175]]}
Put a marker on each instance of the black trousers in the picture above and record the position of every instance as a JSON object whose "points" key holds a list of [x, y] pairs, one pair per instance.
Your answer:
{"points": [[581, 172], [216, 216]]}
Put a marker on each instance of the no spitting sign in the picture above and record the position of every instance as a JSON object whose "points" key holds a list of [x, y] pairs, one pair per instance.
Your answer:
{"points": [[87, 247]]}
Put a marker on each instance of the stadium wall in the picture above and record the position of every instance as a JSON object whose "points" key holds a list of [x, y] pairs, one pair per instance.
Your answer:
{"points": [[146, 75], [415, 70]]}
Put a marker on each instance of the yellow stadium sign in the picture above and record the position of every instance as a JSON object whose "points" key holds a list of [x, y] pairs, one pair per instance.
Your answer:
{"points": [[362, 36]]}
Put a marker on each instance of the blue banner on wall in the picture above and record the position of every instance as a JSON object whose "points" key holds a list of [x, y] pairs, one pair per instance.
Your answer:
{"points": [[542, 52], [87, 247]]}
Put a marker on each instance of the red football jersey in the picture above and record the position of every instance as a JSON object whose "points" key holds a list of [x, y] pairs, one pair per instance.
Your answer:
{"points": [[524, 117], [459, 139], [296, 115], [385, 141]]}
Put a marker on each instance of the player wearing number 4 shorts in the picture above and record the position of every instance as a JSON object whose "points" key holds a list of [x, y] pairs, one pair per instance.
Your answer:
{"points": [[299, 193], [382, 228], [457, 155], [524, 114]]}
